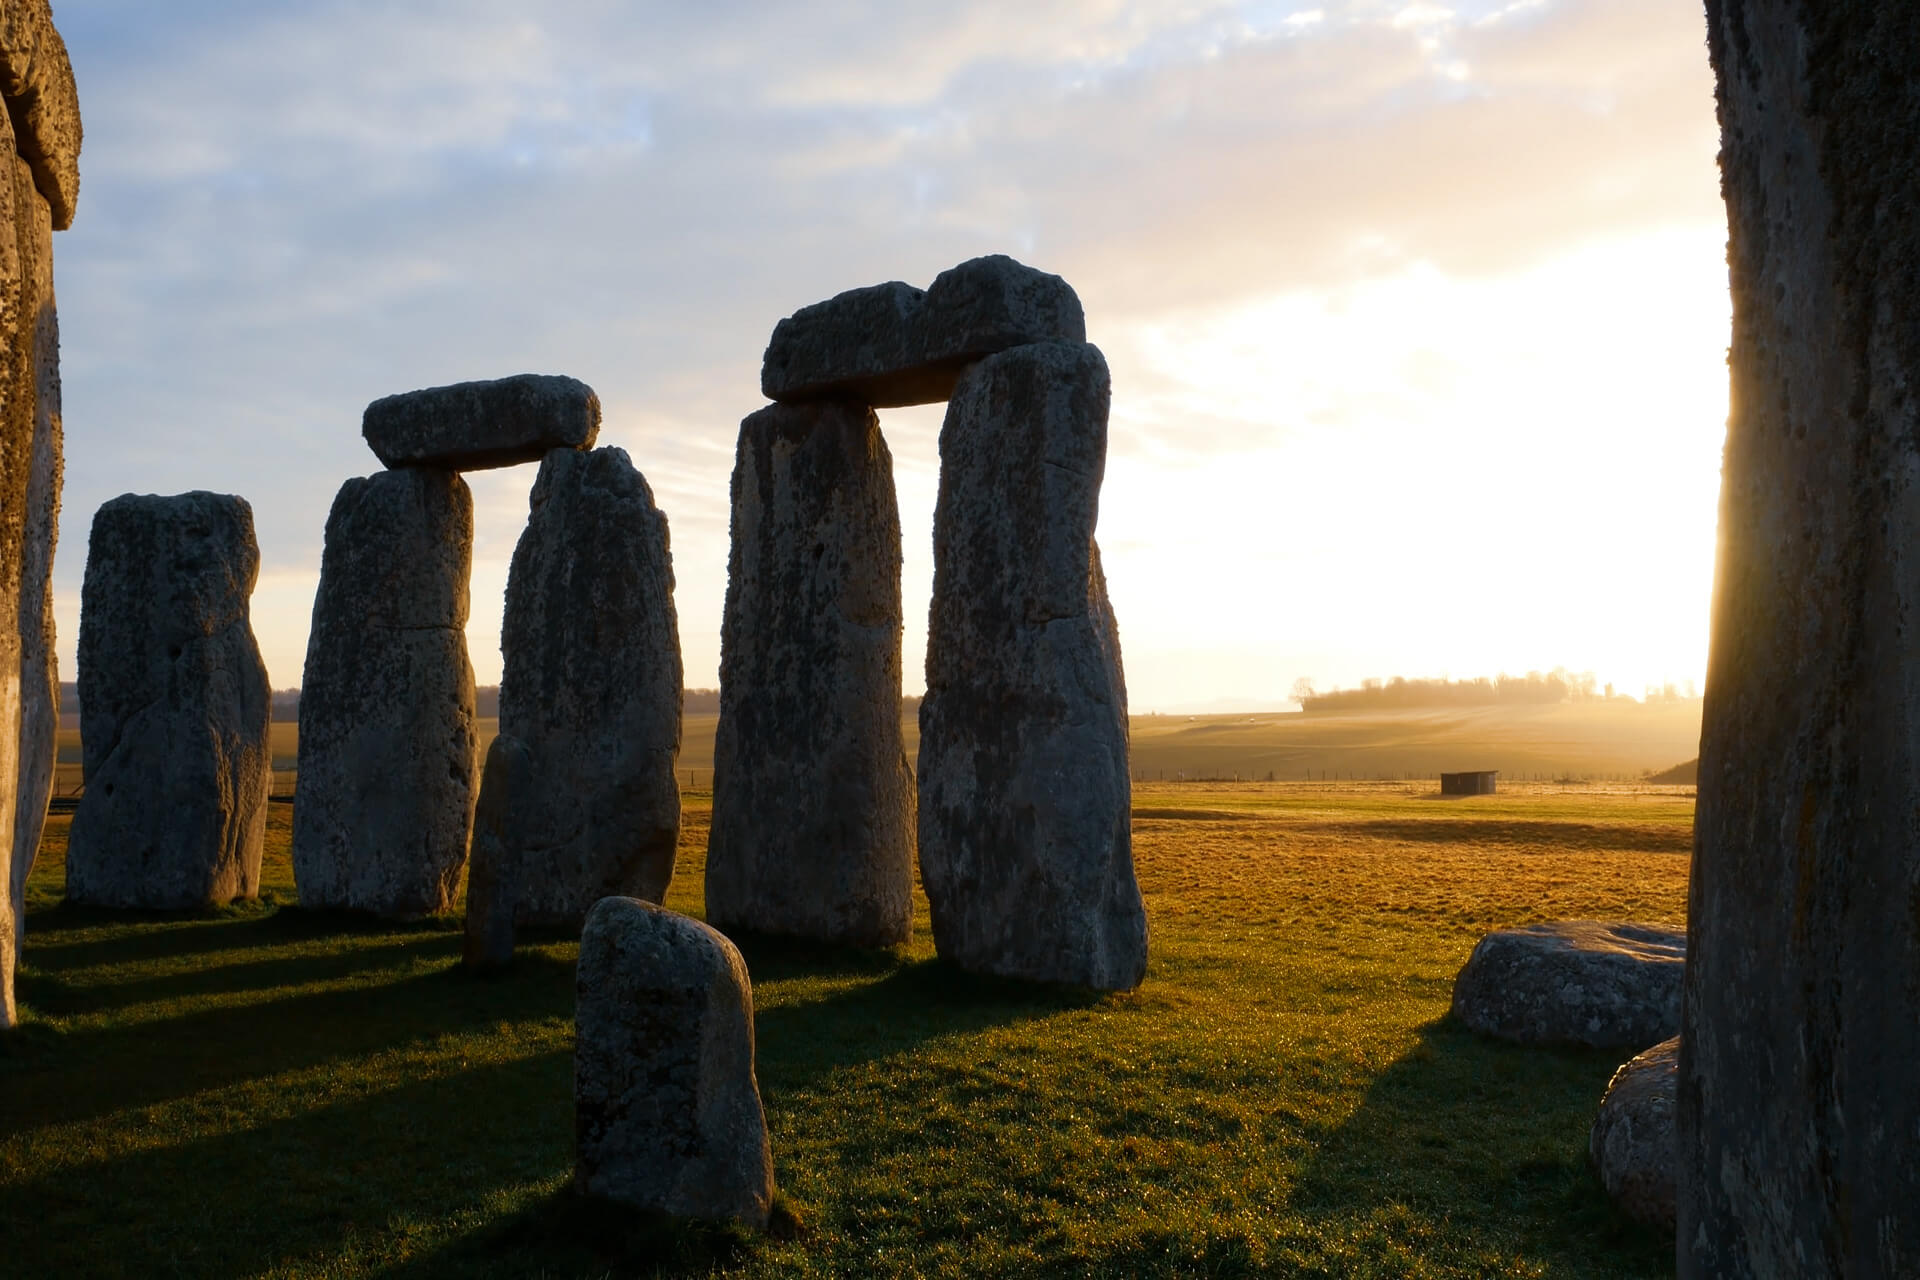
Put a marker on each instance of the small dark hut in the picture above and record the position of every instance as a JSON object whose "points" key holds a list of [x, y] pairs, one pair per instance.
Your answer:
{"points": [[1478, 782]]}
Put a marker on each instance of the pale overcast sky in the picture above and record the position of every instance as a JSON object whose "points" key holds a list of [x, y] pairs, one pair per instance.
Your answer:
{"points": [[1417, 316]]}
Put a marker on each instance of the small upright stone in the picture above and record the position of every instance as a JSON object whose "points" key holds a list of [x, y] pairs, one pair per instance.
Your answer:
{"points": [[591, 684], [493, 870], [812, 831], [890, 344], [174, 705], [1604, 985], [470, 426], [1632, 1140], [1026, 847], [667, 1114], [383, 803]]}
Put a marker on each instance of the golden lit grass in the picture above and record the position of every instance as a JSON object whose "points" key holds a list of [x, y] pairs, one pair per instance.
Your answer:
{"points": [[260, 1091]]}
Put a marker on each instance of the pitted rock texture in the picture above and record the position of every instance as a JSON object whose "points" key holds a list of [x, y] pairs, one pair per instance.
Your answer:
{"points": [[175, 709], [591, 684], [667, 1113], [30, 460], [36, 79], [812, 830], [494, 867], [1798, 1115], [1026, 848], [384, 799], [470, 426], [1632, 1142], [1607, 985], [890, 344]]}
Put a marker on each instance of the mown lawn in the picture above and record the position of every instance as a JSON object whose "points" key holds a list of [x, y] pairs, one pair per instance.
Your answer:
{"points": [[261, 1091]]}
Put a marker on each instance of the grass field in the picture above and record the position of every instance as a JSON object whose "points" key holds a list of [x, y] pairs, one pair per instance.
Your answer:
{"points": [[1593, 740], [259, 1091]]}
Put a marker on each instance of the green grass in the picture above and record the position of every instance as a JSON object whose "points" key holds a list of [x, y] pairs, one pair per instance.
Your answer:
{"points": [[262, 1091]]}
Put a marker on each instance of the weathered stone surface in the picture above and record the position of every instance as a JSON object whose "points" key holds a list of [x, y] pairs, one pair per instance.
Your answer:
{"points": [[36, 79], [591, 684], [29, 510], [175, 710], [384, 799], [667, 1112], [1026, 848], [812, 830], [1799, 1122], [494, 866], [1611, 985], [890, 344], [470, 426], [1632, 1144]]}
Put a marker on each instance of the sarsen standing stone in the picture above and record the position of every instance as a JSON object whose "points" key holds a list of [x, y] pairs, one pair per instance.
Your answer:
{"points": [[812, 799], [384, 798], [1026, 850], [591, 686], [174, 706]]}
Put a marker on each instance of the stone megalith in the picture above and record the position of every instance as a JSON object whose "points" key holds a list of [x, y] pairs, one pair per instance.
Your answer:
{"points": [[40, 145], [813, 801], [494, 868], [1026, 848], [1601, 984], [1631, 1142], [384, 799], [1798, 1115], [591, 684], [891, 344], [667, 1114], [174, 707], [470, 426]]}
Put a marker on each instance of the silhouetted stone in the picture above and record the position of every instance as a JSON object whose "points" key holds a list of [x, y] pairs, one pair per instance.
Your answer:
{"points": [[37, 195], [384, 798], [591, 685], [890, 344], [175, 713], [1585, 982], [473, 425], [494, 867], [812, 830], [667, 1113], [1799, 1120], [1026, 849], [1632, 1143]]}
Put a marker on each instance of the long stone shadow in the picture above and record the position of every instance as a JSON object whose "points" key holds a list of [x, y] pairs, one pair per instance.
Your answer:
{"points": [[200, 932], [1494, 1135], [1547, 836], [332, 1178], [87, 1074]]}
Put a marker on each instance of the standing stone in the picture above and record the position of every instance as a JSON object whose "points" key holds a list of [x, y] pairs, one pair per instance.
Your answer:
{"points": [[384, 799], [40, 138], [174, 707], [494, 870], [591, 684], [1631, 1143], [1026, 850], [667, 1113], [1799, 1120], [812, 830]]}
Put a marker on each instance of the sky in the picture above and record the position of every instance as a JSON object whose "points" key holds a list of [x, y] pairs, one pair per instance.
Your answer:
{"points": [[1417, 316]]}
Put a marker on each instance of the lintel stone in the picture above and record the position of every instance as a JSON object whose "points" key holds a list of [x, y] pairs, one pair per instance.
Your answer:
{"points": [[471, 426]]}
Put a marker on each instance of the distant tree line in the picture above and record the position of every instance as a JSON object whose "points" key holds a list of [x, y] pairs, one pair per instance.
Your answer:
{"points": [[1532, 689]]}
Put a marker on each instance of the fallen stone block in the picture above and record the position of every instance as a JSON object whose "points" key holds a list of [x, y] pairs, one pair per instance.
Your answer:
{"points": [[1576, 982], [1632, 1140]]}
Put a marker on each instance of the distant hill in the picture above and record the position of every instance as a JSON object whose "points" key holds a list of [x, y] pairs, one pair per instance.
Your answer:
{"points": [[1681, 775]]}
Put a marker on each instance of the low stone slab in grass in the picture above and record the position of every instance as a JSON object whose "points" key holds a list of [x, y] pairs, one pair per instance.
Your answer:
{"points": [[667, 1114], [470, 426], [1632, 1142], [1605, 985]]}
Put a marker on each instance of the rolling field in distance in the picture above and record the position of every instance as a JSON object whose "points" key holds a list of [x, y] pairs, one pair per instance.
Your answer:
{"points": [[1284, 1095], [1618, 740]]}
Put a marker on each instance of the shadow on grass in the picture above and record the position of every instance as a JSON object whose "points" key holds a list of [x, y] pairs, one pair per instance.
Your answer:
{"points": [[1494, 1135], [90, 1073], [1549, 837], [199, 932]]}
